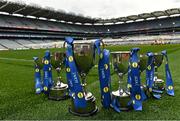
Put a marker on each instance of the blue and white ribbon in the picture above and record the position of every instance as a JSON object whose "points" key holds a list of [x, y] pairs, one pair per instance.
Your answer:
{"points": [[104, 74], [37, 77], [150, 76], [75, 87], [169, 81], [135, 90], [150, 71], [69, 80], [47, 72]]}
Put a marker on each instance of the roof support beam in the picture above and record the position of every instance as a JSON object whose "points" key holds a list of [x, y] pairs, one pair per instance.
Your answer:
{"points": [[166, 13], [47, 15], [19, 10], [4, 5], [31, 14], [179, 10], [153, 15]]}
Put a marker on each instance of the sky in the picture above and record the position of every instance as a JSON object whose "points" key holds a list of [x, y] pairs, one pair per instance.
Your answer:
{"points": [[106, 8]]}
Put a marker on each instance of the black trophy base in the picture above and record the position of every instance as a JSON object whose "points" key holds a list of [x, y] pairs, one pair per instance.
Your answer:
{"points": [[123, 99], [58, 93], [90, 109]]}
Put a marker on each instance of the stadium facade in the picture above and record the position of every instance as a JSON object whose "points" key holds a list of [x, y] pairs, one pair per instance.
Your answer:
{"points": [[22, 24]]}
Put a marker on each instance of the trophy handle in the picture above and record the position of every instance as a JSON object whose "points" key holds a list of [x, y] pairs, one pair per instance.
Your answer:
{"points": [[64, 44], [103, 45]]}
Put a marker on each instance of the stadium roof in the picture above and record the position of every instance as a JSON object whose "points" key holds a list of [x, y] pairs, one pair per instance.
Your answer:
{"points": [[59, 15], [144, 16], [37, 11]]}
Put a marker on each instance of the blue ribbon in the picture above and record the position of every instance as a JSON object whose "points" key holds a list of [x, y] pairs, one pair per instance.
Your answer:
{"points": [[47, 72], [37, 75], [150, 76], [115, 104], [97, 45], [150, 71], [169, 81], [104, 74], [75, 87], [136, 92], [69, 80]]}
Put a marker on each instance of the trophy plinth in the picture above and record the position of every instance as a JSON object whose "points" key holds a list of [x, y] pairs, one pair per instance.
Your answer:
{"points": [[84, 58], [90, 109], [158, 83], [123, 97], [120, 60], [60, 90]]}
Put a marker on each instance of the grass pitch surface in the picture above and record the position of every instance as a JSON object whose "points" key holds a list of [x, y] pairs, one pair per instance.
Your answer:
{"points": [[19, 101]]}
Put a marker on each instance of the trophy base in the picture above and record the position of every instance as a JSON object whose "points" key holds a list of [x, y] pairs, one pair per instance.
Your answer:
{"points": [[146, 90], [59, 92], [159, 84], [123, 99], [90, 110]]}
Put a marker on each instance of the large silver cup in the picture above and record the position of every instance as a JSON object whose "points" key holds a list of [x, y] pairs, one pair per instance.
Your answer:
{"points": [[84, 59]]}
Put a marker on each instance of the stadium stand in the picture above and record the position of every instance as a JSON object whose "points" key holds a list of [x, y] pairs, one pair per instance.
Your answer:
{"points": [[22, 28], [3, 48], [144, 39], [28, 44], [59, 30], [10, 44]]}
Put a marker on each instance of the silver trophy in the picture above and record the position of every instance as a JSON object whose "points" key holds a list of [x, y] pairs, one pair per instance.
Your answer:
{"points": [[84, 59], [120, 61], [158, 82], [60, 90]]}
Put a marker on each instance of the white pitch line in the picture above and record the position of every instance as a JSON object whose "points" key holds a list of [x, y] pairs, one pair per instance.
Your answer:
{"points": [[15, 59]]}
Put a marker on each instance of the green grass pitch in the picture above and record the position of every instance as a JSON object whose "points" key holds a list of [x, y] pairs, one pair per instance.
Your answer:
{"points": [[18, 100]]}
